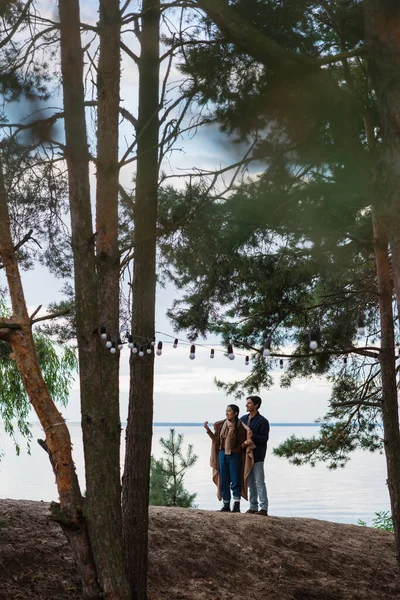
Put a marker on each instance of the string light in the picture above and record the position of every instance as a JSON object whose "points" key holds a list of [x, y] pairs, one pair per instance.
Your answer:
{"points": [[361, 326], [146, 345], [267, 348], [313, 339]]}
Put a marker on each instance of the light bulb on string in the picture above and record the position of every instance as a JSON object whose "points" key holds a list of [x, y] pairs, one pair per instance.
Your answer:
{"points": [[113, 349], [231, 355], [135, 348], [175, 344], [313, 339], [153, 341], [212, 353], [247, 361], [120, 344], [192, 354], [108, 342], [141, 351], [313, 364], [281, 363], [360, 326], [267, 348], [148, 349], [103, 332], [130, 341], [159, 349]]}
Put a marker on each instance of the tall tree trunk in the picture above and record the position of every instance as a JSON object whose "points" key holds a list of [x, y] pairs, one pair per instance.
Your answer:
{"points": [[58, 441], [105, 500], [140, 416], [382, 24], [387, 359], [98, 379]]}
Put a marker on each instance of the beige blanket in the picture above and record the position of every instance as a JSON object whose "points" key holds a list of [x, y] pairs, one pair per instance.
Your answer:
{"points": [[247, 456]]}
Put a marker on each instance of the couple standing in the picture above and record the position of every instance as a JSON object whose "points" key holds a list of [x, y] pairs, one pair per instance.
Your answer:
{"points": [[238, 451]]}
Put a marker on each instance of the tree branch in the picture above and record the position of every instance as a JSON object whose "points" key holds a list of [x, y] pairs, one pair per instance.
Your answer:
{"points": [[240, 31], [54, 315]]}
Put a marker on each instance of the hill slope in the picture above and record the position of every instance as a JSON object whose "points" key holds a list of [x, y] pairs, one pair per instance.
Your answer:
{"points": [[201, 555]]}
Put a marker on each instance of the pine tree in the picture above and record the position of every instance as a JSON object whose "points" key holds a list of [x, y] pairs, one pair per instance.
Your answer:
{"points": [[167, 473]]}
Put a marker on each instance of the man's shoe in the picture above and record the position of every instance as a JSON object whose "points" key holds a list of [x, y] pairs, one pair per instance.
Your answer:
{"points": [[236, 507], [263, 513], [225, 508], [251, 512]]}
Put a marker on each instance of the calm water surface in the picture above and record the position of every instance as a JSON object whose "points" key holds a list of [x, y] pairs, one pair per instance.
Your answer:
{"points": [[346, 495]]}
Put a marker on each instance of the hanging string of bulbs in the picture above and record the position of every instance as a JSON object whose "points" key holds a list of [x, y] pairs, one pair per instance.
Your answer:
{"points": [[140, 346]]}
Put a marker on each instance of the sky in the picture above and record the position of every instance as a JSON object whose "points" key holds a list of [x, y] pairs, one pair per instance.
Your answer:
{"points": [[184, 389]]}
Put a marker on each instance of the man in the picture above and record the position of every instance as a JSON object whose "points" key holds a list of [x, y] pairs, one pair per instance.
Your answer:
{"points": [[259, 426]]}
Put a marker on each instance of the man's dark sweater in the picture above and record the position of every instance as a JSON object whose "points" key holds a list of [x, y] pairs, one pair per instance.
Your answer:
{"points": [[259, 426]]}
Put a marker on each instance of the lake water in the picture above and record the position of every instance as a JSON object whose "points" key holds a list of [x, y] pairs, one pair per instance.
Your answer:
{"points": [[346, 495]]}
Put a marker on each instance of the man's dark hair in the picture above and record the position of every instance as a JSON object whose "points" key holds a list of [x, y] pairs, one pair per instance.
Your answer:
{"points": [[256, 400]]}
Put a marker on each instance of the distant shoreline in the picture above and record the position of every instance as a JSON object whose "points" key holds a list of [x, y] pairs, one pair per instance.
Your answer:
{"points": [[176, 424], [272, 424]]}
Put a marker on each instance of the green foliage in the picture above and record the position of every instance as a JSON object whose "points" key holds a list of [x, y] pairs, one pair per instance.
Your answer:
{"points": [[382, 520], [22, 69], [58, 364], [291, 250], [167, 473], [37, 193]]}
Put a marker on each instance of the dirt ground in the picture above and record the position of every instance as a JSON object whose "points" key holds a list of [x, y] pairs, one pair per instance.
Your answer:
{"points": [[202, 555]]}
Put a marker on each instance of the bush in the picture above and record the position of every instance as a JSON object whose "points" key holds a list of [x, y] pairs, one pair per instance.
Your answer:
{"points": [[382, 520]]}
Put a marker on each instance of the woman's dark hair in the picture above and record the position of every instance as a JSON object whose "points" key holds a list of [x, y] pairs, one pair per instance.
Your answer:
{"points": [[236, 409]]}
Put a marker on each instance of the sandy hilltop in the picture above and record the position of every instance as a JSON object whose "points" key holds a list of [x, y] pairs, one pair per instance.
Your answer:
{"points": [[203, 555]]}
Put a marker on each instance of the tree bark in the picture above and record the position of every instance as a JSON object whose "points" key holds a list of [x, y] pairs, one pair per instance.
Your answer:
{"points": [[58, 441], [382, 25], [140, 416], [387, 359], [98, 378]]}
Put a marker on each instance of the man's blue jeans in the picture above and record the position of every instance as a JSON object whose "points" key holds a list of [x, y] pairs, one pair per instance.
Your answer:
{"points": [[257, 487], [230, 475]]}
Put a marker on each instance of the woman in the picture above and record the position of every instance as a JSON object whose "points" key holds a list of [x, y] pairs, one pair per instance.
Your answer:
{"points": [[231, 457]]}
